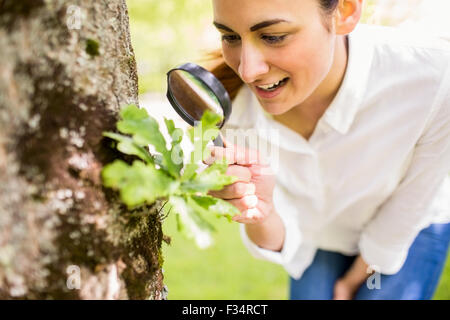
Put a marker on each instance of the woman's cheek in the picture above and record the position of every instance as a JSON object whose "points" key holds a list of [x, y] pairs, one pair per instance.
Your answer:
{"points": [[316, 69], [231, 58]]}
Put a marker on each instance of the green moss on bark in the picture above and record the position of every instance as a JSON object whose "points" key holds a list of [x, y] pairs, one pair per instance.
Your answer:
{"points": [[92, 47]]}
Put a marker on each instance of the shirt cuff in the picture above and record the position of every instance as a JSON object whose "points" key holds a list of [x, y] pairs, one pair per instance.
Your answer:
{"points": [[383, 260], [292, 241]]}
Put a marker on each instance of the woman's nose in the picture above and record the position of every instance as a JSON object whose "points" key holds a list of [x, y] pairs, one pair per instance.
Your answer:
{"points": [[252, 64]]}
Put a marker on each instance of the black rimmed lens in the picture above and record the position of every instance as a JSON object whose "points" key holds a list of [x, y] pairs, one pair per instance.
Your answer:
{"points": [[192, 89]]}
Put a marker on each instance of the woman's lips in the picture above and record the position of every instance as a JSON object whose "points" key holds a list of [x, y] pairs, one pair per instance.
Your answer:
{"points": [[271, 94]]}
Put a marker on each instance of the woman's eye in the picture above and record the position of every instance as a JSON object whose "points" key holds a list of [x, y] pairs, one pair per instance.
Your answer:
{"points": [[231, 39], [273, 39]]}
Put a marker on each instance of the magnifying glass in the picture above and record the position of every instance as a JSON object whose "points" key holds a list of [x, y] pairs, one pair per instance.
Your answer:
{"points": [[191, 90]]}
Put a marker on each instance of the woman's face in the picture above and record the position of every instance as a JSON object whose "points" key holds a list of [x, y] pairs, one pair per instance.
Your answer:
{"points": [[267, 41]]}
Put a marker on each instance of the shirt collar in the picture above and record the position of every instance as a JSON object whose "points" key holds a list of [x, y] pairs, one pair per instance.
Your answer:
{"points": [[342, 110]]}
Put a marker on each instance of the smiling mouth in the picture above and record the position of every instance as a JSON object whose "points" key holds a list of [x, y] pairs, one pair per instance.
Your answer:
{"points": [[274, 86]]}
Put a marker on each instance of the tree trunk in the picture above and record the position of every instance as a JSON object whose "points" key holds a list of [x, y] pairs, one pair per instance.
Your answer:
{"points": [[66, 67]]}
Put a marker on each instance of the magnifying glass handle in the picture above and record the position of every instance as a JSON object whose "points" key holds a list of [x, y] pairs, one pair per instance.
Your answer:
{"points": [[218, 142]]}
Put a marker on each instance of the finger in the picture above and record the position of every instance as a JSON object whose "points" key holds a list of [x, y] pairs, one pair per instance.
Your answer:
{"points": [[250, 216], [341, 292], [236, 190], [235, 155], [224, 141], [246, 156], [242, 173], [260, 170], [245, 203], [255, 215], [219, 153]]}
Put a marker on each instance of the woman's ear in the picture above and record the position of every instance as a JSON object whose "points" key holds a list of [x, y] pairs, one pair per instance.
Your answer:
{"points": [[347, 16]]}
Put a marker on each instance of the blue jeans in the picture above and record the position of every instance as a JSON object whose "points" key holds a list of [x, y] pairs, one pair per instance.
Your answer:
{"points": [[416, 280]]}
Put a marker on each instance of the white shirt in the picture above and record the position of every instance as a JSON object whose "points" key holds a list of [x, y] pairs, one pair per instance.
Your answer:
{"points": [[375, 170]]}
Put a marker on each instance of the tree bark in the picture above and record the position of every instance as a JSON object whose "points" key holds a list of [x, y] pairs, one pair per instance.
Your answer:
{"points": [[66, 68]]}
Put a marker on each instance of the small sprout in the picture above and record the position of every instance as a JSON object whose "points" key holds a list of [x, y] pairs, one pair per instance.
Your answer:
{"points": [[163, 175]]}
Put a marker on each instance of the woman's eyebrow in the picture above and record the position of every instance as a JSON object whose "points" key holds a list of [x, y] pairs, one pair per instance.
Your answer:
{"points": [[222, 27], [266, 24], [257, 26]]}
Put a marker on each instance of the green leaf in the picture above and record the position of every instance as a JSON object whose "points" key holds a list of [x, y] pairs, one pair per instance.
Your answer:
{"points": [[196, 213], [128, 146], [145, 130], [212, 178], [220, 165], [159, 160], [189, 171], [190, 222], [112, 174], [158, 175], [170, 126], [180, 225], [213, 206], [176, 153], [138, 183], [202, 134]]}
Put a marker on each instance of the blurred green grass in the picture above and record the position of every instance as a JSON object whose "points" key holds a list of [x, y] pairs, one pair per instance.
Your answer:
{"points": [[443, 290], [223, 271]]}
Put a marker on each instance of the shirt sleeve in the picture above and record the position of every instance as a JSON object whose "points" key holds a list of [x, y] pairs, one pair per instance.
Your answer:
{"points": [[293, 236], [386, 239]]}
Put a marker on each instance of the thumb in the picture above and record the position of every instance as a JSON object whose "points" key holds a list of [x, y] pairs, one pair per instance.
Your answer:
{"points": [[341, 291]]}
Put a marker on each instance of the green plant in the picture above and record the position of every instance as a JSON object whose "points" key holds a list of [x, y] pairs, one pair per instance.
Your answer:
{"points": [[163, 175]]}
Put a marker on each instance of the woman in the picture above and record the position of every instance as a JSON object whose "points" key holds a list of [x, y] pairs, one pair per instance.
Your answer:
{"points": [[363, 115]]}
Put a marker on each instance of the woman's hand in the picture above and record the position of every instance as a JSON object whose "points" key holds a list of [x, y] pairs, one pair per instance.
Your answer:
{"points": [[344, 290], [252, 193], [346, 287]]}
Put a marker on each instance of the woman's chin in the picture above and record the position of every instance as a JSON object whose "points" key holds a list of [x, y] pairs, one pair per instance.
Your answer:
{"points": [[275, 109]]}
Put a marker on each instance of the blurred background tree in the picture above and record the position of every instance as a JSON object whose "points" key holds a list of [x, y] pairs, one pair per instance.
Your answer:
{"points": [[167, 33]]}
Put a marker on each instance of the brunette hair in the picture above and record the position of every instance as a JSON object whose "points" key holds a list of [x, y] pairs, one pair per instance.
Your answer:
{"points": [[216, 64], [328, 6]]}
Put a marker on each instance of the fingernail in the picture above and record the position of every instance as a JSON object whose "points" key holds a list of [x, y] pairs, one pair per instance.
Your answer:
{"points": [[251, 201], [251, 189], [253, 212]]}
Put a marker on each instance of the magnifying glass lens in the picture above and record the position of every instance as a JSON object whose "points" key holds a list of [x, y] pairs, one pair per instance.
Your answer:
{"points": [[191, 90], [192, 96]]}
